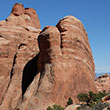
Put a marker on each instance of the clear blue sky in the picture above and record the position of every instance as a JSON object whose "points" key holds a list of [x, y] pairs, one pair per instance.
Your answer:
{"points": [[94, 14]]}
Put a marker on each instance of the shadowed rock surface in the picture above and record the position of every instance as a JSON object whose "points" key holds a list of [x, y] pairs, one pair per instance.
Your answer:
{"points": [[34, 75]]}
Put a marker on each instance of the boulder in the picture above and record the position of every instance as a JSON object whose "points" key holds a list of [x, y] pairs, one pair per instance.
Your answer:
{"points": [[106, 98], [72, 107]]}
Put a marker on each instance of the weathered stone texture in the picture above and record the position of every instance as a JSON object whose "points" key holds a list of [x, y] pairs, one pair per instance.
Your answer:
{"points": [[65, 64], [103, 83], [18, 45], [34, 75]]}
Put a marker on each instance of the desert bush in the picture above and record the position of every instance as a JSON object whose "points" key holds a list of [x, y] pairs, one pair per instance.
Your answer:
{"points": [[92, 100], [102, 94], [84, 107], [83, 97], [99, 106], [55, 107], [70, 101], [49, 108]]}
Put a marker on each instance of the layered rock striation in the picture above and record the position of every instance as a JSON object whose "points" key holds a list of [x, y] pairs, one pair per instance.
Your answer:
{"points": [[42, 68], [18, 45], [103, 83], [65, 65]]}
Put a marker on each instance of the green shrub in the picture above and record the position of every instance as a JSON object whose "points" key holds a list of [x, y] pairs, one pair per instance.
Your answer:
{"points": [[92, 100], [49, 108], [100, 106], [70, 101], [55, 107], [84, 107], [101, 94], [58, 107], [83, 97], [92, 96]]}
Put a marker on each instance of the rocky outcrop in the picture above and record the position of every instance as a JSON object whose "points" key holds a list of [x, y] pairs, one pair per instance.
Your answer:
{"points": [[18, 45], [65, 65], [24, 17], [34, 75], [103, 83]]}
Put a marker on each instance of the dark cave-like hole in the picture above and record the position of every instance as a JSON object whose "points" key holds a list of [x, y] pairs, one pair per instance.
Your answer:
{"points": [[29, 72]]}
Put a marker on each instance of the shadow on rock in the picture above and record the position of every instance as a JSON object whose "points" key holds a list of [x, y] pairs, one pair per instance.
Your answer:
{"points": [[29, 72]]}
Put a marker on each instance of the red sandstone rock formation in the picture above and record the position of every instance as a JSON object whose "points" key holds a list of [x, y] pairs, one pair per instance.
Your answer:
{"points": [[25, 17], [18, 45], [65, 65], [103, 83], [18, 9], [31, 79]]}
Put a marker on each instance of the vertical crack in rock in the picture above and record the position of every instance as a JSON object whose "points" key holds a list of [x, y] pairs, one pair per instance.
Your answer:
{"points": [[14, 61], [61, 46]]}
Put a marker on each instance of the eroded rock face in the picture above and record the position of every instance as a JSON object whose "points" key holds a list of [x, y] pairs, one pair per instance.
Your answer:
{"points": [[18, 45], [68, 55], [18, 9], [65, 65], [24, 17], [34, 75], [103, 83]]}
